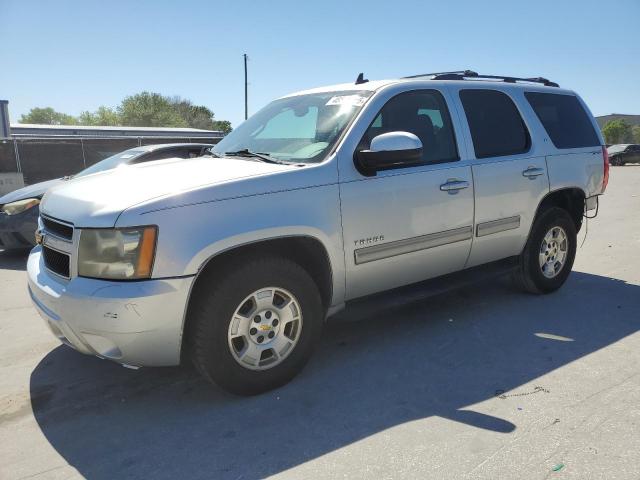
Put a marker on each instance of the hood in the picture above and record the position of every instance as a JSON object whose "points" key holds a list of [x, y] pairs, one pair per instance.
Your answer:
{"points": [[97, 200], [30, 191]]}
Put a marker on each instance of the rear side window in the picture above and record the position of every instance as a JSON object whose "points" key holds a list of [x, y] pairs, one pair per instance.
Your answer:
{"points": [[565, 120], [497, 129], [162, 155]]}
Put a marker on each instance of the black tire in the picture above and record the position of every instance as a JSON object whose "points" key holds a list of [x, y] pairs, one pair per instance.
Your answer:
{"points": [[616, 162], [216, 299], [529, 275]]}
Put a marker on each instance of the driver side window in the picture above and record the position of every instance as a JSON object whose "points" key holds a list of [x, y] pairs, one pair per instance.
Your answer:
{"points": [[423, 113]]}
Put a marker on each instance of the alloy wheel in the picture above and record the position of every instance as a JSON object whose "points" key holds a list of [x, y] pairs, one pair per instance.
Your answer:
{"points": [[265, 328]]}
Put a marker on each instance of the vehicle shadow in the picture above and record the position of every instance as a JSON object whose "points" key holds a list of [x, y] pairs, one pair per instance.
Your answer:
{"points": [[14, 259], [434, 358]]}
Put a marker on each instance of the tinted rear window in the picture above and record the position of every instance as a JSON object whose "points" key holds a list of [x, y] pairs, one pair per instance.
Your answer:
{"points": [[497, 129], [565, 120]]}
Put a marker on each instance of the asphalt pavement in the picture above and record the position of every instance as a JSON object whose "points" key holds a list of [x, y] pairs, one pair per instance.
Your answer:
{"points": [[483, 382]]}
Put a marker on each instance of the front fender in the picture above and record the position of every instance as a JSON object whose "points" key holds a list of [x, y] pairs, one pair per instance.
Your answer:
{"points": [[190, 235]]}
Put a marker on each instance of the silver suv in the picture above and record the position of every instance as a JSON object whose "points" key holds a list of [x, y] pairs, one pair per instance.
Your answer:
{"points": [[319, 201]]}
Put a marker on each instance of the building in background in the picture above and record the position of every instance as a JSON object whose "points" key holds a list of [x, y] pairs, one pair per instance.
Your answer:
{"points": [[19, 130]]}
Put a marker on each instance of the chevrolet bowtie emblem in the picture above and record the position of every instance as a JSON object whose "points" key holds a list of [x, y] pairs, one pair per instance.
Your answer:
{"points": [[264, 328], [39, 237]]}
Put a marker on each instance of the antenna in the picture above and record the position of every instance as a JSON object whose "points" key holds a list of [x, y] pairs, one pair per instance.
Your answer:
{"points": [[361, 79], [246, 96]]}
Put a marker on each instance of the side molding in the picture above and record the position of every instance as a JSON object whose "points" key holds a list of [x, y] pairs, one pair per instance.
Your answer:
{"points": [[495, 226], [414, 244]]}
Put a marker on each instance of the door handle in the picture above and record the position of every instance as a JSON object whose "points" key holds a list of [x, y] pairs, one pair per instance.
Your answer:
{"points": [[453, 185], [533, 172]]}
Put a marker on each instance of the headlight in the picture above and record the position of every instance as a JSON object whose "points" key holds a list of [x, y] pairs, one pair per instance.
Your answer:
{"points": [[117, 253], [20, 206]]}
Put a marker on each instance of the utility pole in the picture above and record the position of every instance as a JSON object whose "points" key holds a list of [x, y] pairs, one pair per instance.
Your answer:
{"points": [[5, 126], [246, 96]]}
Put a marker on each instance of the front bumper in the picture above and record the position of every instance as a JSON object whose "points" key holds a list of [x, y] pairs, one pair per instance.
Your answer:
{"points": [[18, 231], [133, 323]]}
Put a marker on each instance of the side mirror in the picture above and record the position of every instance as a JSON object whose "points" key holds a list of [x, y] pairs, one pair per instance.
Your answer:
{"points": [[389, 150]]}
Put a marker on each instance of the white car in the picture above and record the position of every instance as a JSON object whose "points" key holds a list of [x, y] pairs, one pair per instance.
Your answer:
{"points": [[319, 201], [19, 209]]}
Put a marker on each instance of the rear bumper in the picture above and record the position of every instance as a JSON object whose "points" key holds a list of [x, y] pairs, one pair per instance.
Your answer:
{"points": [[132, 323], [18, 231]]}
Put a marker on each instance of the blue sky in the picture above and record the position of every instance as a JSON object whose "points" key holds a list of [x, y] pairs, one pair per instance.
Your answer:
{"points": [[78, 55]]}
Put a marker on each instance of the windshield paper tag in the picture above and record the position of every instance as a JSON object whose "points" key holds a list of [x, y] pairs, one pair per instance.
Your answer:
{"points": [[349, 100]]}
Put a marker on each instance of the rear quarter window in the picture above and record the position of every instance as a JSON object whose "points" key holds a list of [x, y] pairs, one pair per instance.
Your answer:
{"points": [[567, 123], [163, 155]]}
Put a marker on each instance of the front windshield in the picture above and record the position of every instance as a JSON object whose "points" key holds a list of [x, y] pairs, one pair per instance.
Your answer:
{"points": [[112, 162], [300, 129]]}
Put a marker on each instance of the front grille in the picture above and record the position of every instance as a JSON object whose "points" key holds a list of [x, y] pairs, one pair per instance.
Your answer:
{"points": [[58, 229], [56, 262]]}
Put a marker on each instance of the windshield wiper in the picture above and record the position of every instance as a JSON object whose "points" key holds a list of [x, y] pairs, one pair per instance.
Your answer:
{"points": [[265, 157]]}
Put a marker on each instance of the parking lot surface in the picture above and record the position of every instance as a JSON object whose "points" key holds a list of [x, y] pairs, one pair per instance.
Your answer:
{"points": [[484, 382]]}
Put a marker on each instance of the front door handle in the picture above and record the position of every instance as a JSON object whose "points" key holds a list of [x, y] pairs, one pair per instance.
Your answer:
{"points": [[533, 172], [453, 185]]}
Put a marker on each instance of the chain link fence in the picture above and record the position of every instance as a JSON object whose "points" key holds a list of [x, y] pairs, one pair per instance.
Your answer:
{"points": [[25, 161]]}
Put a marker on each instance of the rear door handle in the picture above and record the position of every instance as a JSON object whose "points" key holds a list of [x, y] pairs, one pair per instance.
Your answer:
{"points": [[533, 172], [453, 185]]}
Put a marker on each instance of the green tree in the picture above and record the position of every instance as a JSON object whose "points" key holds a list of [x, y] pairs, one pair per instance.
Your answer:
{"points": [[104, 116], [636, 133], [47, 116], [199, 116], [617, 131], [223, 125], [149, 110], [145, 109], [195, 116]]}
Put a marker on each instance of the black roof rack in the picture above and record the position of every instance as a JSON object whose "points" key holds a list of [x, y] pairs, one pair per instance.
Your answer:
{"points": [[470, 74], [466, 73]]}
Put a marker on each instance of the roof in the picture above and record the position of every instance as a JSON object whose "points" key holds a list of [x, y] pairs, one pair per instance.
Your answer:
{"points": [[368, 86], [158, 146], [91, 127], [439, 79]]}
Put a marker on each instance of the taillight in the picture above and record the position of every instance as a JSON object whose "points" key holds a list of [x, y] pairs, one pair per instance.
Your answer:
{"points": [[605, 159]]}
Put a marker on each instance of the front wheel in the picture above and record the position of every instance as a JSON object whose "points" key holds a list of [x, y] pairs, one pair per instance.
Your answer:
{"points": [[548, 256], [255, 324]]}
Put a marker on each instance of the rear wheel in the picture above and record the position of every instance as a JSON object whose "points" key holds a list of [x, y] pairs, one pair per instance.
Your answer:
{"points": [[255, 324], [548, 256]]}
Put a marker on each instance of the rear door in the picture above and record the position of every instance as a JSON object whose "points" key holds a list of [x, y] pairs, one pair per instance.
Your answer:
{"points": [[574, 158], [509, 173]]}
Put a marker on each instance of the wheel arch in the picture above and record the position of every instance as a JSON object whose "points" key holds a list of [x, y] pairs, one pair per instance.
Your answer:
{"points": [[306, 250], [570, 199]]}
